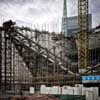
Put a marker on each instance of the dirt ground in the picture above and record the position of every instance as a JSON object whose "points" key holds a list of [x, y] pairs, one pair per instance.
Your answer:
{"points": [[34, 97]]}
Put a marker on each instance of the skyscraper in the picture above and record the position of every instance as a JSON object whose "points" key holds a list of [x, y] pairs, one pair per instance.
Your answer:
{"points": [[70, 24]]}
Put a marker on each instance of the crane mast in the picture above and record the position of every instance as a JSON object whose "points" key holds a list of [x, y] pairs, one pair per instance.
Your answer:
{"points": [[83, 34]]}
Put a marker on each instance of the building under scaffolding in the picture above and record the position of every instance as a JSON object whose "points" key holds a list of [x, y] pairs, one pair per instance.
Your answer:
{"points": [[41, 56], [33, 58]]}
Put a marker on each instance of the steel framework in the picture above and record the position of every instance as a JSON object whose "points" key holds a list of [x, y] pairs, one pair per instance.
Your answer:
{"points": [[40, 62], [30, 61]]}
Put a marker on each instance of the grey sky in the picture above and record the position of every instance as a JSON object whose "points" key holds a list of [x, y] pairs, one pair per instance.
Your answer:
{"points": [[42, 13]]}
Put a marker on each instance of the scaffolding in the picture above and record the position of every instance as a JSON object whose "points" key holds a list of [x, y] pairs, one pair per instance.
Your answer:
{"points": [[32, 58]]}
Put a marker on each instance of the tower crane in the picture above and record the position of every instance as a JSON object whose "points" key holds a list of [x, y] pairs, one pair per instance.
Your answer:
{"points": [[83, 41]]}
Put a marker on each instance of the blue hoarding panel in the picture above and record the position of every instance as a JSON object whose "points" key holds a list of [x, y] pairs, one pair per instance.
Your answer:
{"points": [[91, 78]]}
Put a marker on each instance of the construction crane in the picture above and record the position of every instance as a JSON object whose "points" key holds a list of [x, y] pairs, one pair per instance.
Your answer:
{"points": [[83, 34]]}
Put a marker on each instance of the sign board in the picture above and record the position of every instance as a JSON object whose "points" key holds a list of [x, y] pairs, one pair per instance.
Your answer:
{"points": [[91, 79]]}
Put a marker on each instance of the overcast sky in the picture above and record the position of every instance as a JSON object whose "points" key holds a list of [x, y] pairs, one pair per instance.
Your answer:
{"points": [[43, 13]]}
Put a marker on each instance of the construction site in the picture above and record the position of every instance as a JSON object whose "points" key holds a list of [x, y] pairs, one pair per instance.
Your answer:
{"points": [[41, 65]]}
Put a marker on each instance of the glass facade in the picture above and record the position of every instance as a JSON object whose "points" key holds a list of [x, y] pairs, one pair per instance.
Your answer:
{"points": [[70, 25]]}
